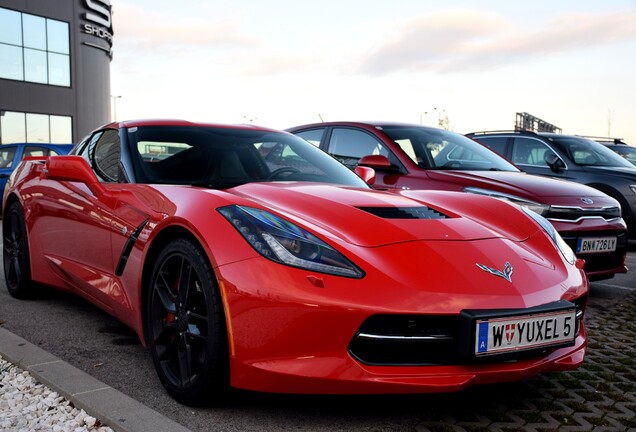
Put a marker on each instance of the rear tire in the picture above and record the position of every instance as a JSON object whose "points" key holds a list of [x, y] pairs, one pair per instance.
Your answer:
{"points": [[17, 263], [185, 325]]}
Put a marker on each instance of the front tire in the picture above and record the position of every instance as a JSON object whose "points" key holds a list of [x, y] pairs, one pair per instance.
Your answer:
{"points": [[186, 326], [17, 263]]}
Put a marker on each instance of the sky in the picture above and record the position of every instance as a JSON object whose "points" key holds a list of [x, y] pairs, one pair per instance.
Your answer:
{"points": [[283, 63]]}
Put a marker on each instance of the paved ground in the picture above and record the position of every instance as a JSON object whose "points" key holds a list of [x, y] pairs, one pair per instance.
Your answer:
{"points": [[600, 396]]}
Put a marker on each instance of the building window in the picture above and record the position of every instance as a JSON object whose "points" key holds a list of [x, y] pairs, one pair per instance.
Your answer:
{"points": [[34, 49], [18, 127]]}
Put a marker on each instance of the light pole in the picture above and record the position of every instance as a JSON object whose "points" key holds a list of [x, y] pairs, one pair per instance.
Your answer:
{"points": [[1, 115], [115, 106]]}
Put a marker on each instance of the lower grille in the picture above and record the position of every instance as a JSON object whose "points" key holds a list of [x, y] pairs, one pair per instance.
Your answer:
{"points": [[422, 340], [407, 340]]}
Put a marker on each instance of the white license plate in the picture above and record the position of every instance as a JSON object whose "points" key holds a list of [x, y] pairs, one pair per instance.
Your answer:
{"points": [[524, 332], [596, 244]]}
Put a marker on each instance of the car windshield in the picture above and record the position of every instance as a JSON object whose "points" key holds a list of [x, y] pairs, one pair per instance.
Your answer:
{"points": [[443, 150], [586, 152], [224, 157], [625, 151]]}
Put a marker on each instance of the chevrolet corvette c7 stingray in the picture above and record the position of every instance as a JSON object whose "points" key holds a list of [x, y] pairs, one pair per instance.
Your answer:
{"points": [[246, 257]]}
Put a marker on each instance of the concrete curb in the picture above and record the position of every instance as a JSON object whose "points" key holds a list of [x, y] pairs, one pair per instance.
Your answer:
{"points": [[115, 409]]}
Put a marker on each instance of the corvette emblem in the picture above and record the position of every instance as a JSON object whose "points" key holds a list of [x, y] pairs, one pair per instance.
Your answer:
{"points": [[587, 200], [506, 273]]}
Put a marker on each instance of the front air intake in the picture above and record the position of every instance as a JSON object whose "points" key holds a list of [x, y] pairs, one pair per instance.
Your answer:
{"points": [[404, 212]]}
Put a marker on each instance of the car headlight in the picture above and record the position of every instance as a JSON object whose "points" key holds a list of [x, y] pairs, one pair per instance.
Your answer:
{"points": [[563, 247], [284, 242], [536, 207], [633, 188]]}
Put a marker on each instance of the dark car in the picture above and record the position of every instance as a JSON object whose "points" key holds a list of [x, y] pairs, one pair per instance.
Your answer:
{"points": [[570, 157], [12, 154], [407, 156], [618, 146]]}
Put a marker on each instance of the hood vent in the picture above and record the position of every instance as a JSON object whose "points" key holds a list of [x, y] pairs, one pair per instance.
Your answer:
{"points": [[404, 212]]}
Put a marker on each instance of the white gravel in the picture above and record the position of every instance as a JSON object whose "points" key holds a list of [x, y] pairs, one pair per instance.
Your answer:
{"points": [[26, 405]]}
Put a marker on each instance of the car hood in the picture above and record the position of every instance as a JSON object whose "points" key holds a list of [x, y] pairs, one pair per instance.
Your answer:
{"points": [[374, 218], [539, 189]]}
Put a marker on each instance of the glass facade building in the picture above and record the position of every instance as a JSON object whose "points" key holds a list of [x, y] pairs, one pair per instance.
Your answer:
{"points": [[54, 69]]}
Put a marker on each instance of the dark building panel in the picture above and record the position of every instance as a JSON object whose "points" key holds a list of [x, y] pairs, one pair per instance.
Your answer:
{"points": [[87, 100]]}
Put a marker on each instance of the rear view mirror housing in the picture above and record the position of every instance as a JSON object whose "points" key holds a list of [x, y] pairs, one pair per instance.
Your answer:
{"points": [[73, 169], [553, 161], [377, 162], [365, 173]]}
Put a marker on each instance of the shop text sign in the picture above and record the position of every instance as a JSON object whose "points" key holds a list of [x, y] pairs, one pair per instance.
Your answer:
{"points": [[99, 19]]}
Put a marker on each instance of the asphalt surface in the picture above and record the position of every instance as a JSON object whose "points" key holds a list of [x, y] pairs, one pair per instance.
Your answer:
{"points": [[600, 396]]}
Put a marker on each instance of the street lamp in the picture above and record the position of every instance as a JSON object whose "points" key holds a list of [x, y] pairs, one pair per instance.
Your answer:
{"points": [[115, 106], [1, 115]]}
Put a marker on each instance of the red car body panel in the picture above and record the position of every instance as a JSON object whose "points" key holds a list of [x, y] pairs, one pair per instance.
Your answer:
{"points": [[289, 328]]}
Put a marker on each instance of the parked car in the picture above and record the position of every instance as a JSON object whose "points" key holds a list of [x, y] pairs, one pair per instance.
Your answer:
{"points": [[407, 156], [619, 147], [247, 257], [12, 154], [573, 158]]}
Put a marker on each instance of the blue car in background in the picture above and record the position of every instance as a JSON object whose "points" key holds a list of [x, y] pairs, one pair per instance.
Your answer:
{"points": [[12, 154]]}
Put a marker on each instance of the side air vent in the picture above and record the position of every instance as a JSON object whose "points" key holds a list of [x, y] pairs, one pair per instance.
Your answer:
{"points": [[404, 212]]}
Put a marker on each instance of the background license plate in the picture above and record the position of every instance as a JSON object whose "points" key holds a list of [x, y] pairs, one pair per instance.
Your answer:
{"points": [[524, 332], [596, 244]]}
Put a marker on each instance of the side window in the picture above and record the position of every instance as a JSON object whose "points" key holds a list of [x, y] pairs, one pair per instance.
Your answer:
{"points": [[86, 147], [31, 151], [407, 147], [528, 151], [102, 153], [6, 157], [313, 136], [497, 144], [349, 145], [107, 153]]}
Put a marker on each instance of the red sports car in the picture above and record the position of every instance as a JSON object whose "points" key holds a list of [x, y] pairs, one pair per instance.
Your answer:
{"points": [[246, 257]]}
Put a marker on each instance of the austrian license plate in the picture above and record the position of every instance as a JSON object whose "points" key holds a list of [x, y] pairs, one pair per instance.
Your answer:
{"points": [[596, 244], [524, 332]]}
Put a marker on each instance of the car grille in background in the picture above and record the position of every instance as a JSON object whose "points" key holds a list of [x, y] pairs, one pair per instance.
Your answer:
{"points": [[420, 340], [404, 212], [576, 213]]}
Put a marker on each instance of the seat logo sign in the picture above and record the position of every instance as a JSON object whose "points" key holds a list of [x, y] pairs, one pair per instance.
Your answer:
{"points": [[506, 273], [99, 20]]}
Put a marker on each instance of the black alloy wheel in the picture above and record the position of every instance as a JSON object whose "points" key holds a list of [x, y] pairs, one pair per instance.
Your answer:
{"points": [[17, 263], [186, 326]]}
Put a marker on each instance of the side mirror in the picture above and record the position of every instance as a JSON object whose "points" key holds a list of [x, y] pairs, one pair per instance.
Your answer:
{"points": [[365, 173], [553, 161], [73, 169], [377, 162]]}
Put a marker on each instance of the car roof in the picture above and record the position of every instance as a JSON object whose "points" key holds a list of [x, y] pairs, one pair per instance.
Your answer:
{"points": [[375, 124], [527, 133], [179, 122], [34, 144]]}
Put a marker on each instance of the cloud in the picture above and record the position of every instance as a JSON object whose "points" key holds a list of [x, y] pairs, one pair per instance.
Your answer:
{"points": [[460, 40], [144, 28]]}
